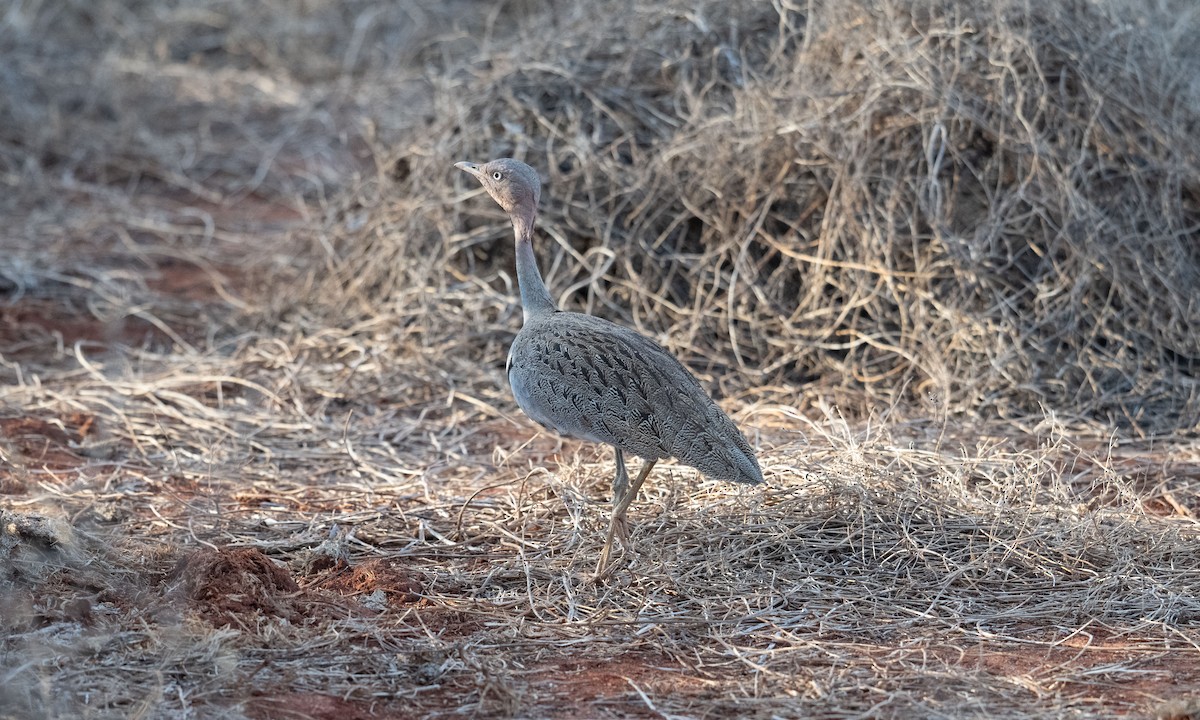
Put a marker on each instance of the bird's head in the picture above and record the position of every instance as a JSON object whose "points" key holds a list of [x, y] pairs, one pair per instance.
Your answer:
{"points": [[511, 183]]}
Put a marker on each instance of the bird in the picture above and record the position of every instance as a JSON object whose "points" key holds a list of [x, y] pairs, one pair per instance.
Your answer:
{"points": [[585, 377]]}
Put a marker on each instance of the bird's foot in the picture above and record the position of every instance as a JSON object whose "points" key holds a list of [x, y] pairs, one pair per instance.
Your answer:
{"points": [[622, 532], [618, 527], [603, 568]]}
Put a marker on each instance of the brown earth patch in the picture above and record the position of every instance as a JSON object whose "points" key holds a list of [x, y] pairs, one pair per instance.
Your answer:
{"points": [[309, 706], [400, 587], [45, 442], [40, 443], [1096, 655], [28, 323], [11, 484], [225, 584], [186, 280], [580, 685], [1179, 709], [448, 623]]}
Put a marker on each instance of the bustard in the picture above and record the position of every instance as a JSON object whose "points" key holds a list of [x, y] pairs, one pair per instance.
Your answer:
{"points": [[588, 378]]}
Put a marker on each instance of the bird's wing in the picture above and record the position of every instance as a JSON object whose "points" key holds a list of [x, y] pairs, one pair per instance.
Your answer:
{"points": [[589, 378]]}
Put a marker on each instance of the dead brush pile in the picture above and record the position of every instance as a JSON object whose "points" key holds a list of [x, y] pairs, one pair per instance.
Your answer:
{"points": [[257, 454], [991, 205]]}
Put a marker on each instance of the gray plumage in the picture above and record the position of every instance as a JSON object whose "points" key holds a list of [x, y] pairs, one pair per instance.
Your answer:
{"points": [[588, 378], [585, 377]]}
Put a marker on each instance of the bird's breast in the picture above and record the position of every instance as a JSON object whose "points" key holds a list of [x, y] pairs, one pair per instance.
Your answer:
{"points": [[552, 400]]}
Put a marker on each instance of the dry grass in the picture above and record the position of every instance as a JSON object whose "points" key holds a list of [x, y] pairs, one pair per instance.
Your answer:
{"points": [[938, 259], [909, 200]]}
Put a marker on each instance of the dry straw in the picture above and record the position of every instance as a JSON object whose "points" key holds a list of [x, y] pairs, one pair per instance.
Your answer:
{"points": [[993, 205], [938, 257]]}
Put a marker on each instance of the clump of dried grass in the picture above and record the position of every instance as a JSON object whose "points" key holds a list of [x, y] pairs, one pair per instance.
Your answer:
{"points": [[772, 197], [894, 563], [980, 203]]}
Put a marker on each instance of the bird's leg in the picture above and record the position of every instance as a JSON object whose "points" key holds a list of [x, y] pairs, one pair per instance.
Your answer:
{"points": [[637, 485], [618, 519], [620, 487], [620, 490], [621, 481]]}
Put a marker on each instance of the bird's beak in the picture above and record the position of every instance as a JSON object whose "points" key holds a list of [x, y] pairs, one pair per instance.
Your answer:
{"points": [[471, 168]]}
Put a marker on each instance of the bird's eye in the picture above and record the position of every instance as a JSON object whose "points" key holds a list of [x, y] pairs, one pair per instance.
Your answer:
{"points": [[497, 175]]}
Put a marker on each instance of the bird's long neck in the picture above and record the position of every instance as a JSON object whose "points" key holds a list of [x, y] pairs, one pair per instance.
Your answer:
{"points": [[535, 297]]}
